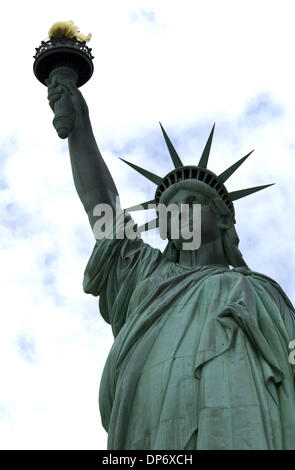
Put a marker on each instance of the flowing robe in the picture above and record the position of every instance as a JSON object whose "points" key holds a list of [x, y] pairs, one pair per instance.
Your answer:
{"points": [[200, 357]]}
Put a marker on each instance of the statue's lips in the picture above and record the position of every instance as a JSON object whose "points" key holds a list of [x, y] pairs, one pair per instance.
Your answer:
{"points": [[184, 222], [184, 228]]}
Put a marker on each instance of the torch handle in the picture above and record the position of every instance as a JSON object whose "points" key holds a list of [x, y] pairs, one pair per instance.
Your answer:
{"points": [[63, 113]]}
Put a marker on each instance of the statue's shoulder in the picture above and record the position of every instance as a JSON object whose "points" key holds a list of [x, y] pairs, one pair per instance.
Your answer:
{"points": [[255, 276], [269, 284]]}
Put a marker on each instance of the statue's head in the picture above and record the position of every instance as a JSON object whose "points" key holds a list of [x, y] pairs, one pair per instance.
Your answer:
{"points": [[189, 208], [189, 186]]}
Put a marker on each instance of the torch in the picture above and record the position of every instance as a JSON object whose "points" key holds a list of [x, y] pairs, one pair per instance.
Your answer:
{"points": [[65, 56]]}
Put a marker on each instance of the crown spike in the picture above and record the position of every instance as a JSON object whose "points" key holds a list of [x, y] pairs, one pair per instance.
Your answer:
{"points": [[229, 171], [147, 174], [205, 155], [149, 225], [143, 205], [246, 192], [174, 155]]}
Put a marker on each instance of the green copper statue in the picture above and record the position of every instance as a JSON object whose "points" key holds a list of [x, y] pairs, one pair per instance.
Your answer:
{"points": [[200, 358]]}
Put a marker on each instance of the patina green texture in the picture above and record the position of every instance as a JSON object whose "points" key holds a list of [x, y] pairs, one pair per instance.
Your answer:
{"points": [[200, 355]]}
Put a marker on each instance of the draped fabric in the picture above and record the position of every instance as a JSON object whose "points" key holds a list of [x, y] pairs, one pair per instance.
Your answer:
{"points": [[200, 357]]}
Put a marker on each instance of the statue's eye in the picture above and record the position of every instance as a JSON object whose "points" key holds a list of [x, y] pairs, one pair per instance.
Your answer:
{"points": [[194, 200], [191, 200]]}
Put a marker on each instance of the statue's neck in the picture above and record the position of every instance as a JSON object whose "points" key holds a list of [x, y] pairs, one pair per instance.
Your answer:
{"points": [[208, 253]]}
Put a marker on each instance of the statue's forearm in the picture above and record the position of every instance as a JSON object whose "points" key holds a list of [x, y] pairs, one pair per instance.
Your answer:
{"points": [[92, 178]]}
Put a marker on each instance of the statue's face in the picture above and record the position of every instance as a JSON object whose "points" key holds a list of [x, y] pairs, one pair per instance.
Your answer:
{"points": [[203, 219]]}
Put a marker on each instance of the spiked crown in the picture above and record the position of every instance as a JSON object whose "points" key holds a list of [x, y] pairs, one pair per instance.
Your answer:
{"points": [[194, 173]]}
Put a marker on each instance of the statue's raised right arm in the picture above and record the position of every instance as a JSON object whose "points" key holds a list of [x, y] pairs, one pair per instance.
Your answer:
{"points": [[92, 178]]}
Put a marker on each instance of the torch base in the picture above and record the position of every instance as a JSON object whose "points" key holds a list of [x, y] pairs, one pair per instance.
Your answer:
{"points": [[63, 52]]}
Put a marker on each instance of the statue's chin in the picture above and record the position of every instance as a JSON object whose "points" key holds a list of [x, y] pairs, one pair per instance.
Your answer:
{"points": [[178, 244]]}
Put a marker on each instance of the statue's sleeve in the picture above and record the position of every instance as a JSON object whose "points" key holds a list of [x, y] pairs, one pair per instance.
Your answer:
{"points": [[113, 271]]}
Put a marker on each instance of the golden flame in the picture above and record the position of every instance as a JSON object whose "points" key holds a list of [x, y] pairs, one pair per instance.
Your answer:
{"points": [[68, 29]]}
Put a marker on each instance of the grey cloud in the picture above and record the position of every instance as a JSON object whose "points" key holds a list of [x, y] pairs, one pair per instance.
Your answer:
{"points": [[7, 148], [27, 348], [48, 271], [262, 109], [143, 15], [15, 218], [49, 258]]}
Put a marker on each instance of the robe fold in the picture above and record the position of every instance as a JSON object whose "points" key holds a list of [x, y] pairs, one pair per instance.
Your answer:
{"points": [[200, 357]]}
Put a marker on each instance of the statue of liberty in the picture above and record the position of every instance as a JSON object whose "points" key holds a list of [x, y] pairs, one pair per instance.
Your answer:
{"points": [[200, 358]]}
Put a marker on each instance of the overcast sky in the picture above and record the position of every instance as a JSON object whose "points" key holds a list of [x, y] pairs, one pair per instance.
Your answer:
{"points": [[185, 63]]}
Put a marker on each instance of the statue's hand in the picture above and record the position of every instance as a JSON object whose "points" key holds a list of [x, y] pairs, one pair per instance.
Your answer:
{"points": [[79, 105]]}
